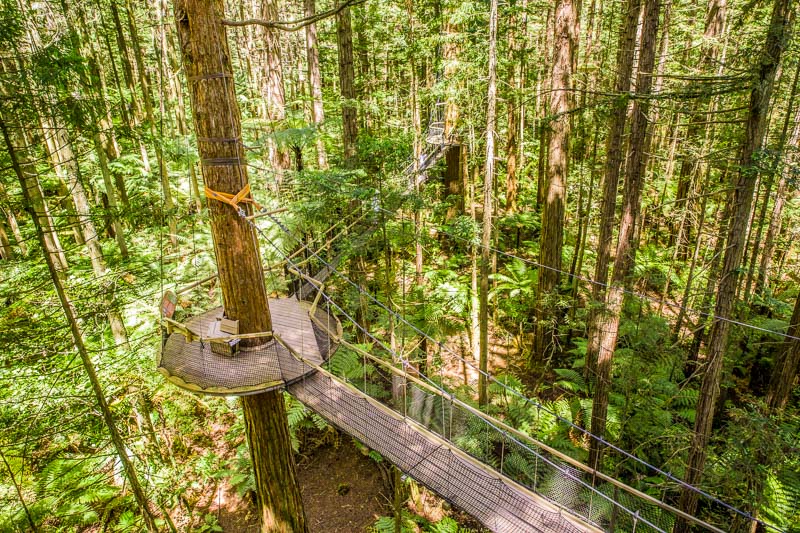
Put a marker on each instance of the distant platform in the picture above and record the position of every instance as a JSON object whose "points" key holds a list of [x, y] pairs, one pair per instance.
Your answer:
{"points": [[195, 367]]}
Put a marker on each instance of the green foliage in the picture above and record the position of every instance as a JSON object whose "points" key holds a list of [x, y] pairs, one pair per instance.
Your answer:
{"points": [[652, 268], [386, 524], [411, 523], [570, 380], [351, 366], [74, 493], [300, 419], [515, 290], [210, 525], [239, 472]]}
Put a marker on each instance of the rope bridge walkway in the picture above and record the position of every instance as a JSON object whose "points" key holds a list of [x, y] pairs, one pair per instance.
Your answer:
{"points": [[503, 477], [498, 502], [499, 475]]}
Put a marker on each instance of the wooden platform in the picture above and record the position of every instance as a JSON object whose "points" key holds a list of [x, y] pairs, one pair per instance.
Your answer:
{"points": [[195, 367]]}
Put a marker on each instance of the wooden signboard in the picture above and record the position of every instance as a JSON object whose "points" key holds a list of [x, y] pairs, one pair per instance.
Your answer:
{"points": [[168, 303]]}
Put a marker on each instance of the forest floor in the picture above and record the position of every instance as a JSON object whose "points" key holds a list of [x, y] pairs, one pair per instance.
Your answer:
{"points": [[343, 492]]}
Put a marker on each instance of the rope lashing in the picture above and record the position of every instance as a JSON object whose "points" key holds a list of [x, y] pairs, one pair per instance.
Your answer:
{"points": [[233, 200]]}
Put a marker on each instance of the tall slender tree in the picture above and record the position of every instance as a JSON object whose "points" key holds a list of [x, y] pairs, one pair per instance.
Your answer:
{"points": [[555, 196], [787, 364], [613, 162], [488, 200], [344, 36], [273, 106], [315, 82]]}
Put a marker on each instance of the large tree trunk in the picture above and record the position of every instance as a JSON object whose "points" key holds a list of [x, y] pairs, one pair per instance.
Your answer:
{"points": [[555, 197], [454, 178], [786, 365], [624, 69], [315, 83], [742, 203], [344, 35], [272, 91], [488, 193], [206, 59], [450, 56], [606, 329]]}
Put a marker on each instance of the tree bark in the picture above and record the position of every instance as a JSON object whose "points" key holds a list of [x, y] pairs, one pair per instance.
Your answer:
{"points": [[742, 203], [32, 189], [8, 213], [488, 193], [6, 251], [451, 50], [206, 58], [315, 83], [272, 90], [622, 85], [516, 76], [555, 198], [786, 366], [783, 167], [344, 36], [606, 329]]}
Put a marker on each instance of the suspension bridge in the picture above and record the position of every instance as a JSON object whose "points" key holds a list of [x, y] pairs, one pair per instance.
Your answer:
{"points": [[500, 475]]}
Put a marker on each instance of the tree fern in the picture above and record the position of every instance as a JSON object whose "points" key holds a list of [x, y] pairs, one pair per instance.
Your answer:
{"points": [[782, 507], [570, 380], [76, 492]]}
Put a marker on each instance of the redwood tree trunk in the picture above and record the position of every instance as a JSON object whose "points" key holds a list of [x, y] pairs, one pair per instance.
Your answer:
{"points": [[344, 35], [606, 328], [555, 197], [315, 82], [624, 68], [742, 204], [272, 90], [491, 124], [786, 367], [206, 59]]}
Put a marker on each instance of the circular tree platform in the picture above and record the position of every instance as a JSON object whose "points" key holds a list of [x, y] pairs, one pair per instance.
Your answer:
{"points": [[251, 370]]}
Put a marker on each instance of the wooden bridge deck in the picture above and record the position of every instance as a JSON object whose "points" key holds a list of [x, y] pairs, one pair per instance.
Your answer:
{"points": [[498, 502]]}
